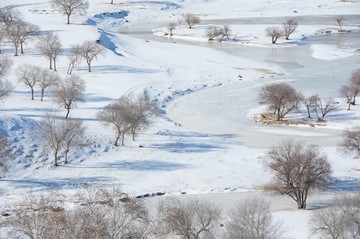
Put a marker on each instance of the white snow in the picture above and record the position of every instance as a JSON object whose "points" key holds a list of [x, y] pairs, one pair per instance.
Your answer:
{"points": [[206, 143]]}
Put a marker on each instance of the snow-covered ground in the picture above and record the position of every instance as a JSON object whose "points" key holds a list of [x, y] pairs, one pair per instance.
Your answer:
{"points": [[206, 141]]}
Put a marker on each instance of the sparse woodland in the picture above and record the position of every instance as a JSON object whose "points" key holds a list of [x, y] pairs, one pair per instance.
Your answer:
{"points": [[297, 169]]}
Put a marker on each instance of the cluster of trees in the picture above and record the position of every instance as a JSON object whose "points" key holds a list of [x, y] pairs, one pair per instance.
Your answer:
{"points": [[281, 98], [14, 29], [190, 19], [221, 32], [128, 114], [111, 214], [286, 30]]}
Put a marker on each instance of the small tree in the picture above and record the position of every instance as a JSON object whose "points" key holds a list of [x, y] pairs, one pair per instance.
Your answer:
{"points": [[68, 91], [298, 169], [251, 218], [89, 51], [275, 33], [350, 142], [289, 27], [4, 154], [19, 31], [74, 58], [281, 98], [116, 114], [309, 103], [350, 90], [140, 113], [340, 220], [5, 88], [324, 106], [193, 219], [29, 75], [5, 66], [171, 26], [47, 79], [191, 20], [74, 137], [212, 33], [340, 20], [225, 31], [68, 7], [53, 134], [50, 46]]}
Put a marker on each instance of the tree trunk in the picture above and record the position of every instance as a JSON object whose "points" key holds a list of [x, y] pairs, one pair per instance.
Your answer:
{"points": [[68, 112], [42, 94], [122, 139], [89, 66], [50, 66], [55, 158], [54, 59], [348, 108], [117, 139], [68, 18], [308, 111], [32, 93], [16, 50], [21, 48], [70, 69], [66, 156]]}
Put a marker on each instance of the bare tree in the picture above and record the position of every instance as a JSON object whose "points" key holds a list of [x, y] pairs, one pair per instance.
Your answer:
{"points": [[350, 142], [191, 20], [50, 46], [53, 134], [5, 66], [4, 154], [309, 103], [68, 91], [140, 112], [74, 58], [340, 20], [90, 50], [275, 33], [75, 132], [68, 7], [351, 89], [171, 26], [47, 79], [116, 114], [29, 75], [110, 213], [340, 220], [8, 15], [281, 98], [298, 169], [225, 31], [251, 218], [5, 88], [193, 219], [324, 106], [289, 27], [20, 31], [212, 32], [33, 217]]}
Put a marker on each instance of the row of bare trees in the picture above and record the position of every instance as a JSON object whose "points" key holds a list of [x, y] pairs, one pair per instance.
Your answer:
{"points": [[287, 29], [281, 98], [111, 214]]}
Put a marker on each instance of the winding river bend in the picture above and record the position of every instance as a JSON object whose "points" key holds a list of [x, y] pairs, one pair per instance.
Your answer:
{"points": [[303, 71]]}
